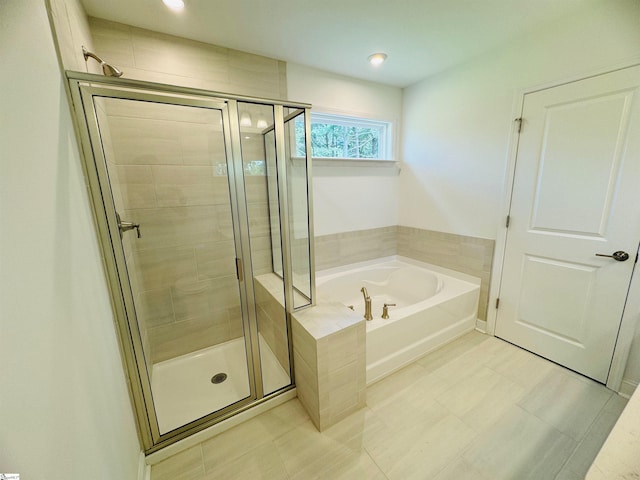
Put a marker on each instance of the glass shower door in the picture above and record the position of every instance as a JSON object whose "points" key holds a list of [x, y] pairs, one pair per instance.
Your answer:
{"points": [[168, 190], [191, 192]]}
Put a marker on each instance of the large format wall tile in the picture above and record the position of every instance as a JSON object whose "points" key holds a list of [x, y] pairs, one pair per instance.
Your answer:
{"points": [[182, 271], [272, 318], [352, 247], [168, 173], [470, 255], [152, 56]]}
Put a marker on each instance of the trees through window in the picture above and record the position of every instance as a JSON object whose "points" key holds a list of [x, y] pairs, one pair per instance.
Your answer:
{"points": [[336, 136]]}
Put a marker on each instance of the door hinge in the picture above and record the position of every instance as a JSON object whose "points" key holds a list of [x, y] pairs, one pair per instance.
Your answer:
{"points": [[519, 121], [506, 224], [239, 272], [497, 302]]}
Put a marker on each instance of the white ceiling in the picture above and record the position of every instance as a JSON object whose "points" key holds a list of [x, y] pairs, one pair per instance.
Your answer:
{"points": [[421, 37]]}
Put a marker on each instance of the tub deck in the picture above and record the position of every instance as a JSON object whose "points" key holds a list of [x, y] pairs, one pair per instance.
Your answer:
{"points": [[434, 307]]}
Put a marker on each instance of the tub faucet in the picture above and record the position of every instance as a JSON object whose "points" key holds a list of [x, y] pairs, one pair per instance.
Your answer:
{"points": [[385, 310], [367, 304]]}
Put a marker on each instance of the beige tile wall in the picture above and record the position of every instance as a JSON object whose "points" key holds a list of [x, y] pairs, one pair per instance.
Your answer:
{"points": [[470, 255], [127, 244], [272, 318], [71, 32], [182, 270], [156, 57], [183, 267], [256, 188], [352, 247], [330, 362]]}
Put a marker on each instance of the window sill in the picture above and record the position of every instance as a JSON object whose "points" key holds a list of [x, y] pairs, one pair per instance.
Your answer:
{"points": [[351, 162]]}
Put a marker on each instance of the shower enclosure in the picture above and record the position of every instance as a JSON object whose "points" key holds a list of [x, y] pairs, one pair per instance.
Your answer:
{"points": [[202, 203]]}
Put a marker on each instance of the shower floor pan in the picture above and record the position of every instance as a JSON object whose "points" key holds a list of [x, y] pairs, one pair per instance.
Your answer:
{"points": [[183, 390]]}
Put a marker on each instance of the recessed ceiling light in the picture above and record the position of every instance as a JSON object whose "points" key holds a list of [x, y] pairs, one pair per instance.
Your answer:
{"points": [[174, 4], [377, 58]]}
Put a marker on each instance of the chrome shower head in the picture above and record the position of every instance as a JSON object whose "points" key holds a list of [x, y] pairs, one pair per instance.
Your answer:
{"points": [[107, 70]]}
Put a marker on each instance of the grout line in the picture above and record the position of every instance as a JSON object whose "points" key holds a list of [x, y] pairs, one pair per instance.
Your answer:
{"points": [[204, 470], [366, 451]]}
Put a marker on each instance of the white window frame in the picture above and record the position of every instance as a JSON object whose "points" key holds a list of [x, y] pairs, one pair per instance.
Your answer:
{"points": [[385, 146]]}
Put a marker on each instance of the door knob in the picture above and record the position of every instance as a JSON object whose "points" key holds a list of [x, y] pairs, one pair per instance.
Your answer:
{"points": [[620, 256]]}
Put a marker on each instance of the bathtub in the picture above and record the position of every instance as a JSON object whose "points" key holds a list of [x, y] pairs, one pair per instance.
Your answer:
{"points": [[433, 307]]}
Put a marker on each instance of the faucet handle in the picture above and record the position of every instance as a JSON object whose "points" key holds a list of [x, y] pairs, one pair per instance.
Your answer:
{"points": [[385, 310]]}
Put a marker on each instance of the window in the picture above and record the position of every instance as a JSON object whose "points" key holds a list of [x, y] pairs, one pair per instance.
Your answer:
{"points": [[337, 136]]}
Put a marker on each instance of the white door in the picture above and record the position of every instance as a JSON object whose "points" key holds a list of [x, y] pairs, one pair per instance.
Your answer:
{"points": [[576, 194]]}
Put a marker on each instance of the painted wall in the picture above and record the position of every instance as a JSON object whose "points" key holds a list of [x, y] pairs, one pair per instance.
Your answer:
{"points": [[457, 125], [64, 409], [350, 196]]}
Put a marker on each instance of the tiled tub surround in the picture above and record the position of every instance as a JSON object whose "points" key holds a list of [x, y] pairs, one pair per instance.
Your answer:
{"points": [[431, 307], [345, 248], [329, 360], [470, 255], [156, 57]]}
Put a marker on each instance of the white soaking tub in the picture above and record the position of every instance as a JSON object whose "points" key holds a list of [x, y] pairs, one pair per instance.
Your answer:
{"points": [[433, 307]]}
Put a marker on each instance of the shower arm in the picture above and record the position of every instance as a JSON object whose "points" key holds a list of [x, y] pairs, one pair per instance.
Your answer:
{"points": [[88, 54], [107, 69]]}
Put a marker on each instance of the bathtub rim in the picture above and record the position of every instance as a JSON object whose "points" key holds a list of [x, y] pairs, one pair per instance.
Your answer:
{"points": [[461, 284], [329, 273]]}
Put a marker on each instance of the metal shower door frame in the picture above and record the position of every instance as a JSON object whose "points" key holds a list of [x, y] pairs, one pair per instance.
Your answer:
{"points": [[83, 94]]}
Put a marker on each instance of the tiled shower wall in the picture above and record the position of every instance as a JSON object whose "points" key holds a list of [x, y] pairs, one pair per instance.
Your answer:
{"points": [[173, 189], [117, 194], [157, 57], [182, 269], [470, 255]]}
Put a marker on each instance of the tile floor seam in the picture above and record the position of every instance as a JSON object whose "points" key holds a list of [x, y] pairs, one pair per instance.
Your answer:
{"points": [[373, 459], [472, 445], [550, 425], [585, 438], [374, 462], [527, 389], [566, 460], [472, 428], [577, 440], [204, 469]]}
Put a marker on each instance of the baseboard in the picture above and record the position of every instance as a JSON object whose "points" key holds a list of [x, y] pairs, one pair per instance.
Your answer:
{"points": [[481, 325], [144, 470], [627, 388]]}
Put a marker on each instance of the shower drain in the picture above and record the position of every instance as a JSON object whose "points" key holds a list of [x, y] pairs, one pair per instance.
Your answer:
{"points": [[219, 378]]}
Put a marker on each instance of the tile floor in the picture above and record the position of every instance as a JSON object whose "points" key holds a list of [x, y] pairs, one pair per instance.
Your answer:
{"points": [[479, 408]]}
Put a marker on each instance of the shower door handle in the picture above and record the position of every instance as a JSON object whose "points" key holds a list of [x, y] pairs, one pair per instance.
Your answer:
{"points": [[126, 226]]}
